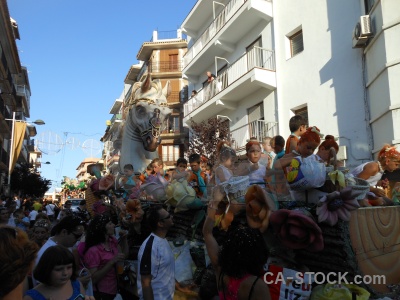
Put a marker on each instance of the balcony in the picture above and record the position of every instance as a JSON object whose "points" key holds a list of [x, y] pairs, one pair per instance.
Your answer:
{"points": [[4, 114], [163, 67], [257, 129], [162, 40], [115, 122], [236, 19], [253, 71], [116, 106], [25, 95], [4, 159]]}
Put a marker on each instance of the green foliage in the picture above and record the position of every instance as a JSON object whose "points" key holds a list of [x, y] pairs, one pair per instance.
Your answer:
{"points": [[27, 182]]}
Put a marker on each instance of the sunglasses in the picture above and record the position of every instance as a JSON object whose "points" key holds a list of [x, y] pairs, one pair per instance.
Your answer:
{"points": [[166, 217]]}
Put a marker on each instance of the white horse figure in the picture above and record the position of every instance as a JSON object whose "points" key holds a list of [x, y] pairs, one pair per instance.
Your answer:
{"points": [[148, 112]]}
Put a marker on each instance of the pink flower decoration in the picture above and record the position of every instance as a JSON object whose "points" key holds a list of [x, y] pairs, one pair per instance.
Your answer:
{"points": [[295, 230], [337, 205]]}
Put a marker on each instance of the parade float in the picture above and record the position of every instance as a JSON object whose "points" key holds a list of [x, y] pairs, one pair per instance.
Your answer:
{"points": [[326, 234]]}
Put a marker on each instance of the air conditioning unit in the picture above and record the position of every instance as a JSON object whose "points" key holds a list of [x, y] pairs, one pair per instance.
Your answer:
{"points": [[362, 32]]}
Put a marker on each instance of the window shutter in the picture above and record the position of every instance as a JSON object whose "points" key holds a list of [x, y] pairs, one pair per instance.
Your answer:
{"points": [[296, 42]]}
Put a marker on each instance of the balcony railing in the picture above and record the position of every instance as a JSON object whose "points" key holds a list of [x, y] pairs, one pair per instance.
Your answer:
{"points": [[256, 57], [257, 129], [116, 117], [167, 35], [219, 22], [166, 66], [23, 91], [4, 157]]}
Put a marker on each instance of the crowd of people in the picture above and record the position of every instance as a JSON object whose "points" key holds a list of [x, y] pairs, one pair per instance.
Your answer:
{"points": [[121, 249]]}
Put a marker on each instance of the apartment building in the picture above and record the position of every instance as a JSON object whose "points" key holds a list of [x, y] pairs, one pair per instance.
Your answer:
{"points": [[162, 58], [274, 59], [14, 95]]}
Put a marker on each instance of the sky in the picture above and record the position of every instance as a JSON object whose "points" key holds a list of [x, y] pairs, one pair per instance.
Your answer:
{"points": [[78, 53]]}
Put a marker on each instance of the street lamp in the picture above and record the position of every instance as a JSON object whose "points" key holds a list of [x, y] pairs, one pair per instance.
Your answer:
{"points": [[10, 163]]}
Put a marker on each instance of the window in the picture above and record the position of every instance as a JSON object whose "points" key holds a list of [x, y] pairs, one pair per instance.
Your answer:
{"points": [[255, 116], [296, 43], [170, 153], [368, 5], [254, 54], [302, 112], [173, 124], [173, 62]]}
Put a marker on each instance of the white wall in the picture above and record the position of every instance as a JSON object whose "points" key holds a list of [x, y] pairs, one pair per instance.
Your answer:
{"points": [[327, 75]]}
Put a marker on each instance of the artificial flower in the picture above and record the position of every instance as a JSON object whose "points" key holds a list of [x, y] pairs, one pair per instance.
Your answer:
{"points": [[296, 230], [337, 176], [258, 208], [337, 205]]}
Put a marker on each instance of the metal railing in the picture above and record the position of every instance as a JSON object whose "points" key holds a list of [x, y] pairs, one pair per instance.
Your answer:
{"points": [[257, 129], [223, 17], [256, 57], [167, 35], [166, 66], [4, 157], [116, 117], [174, 97]]}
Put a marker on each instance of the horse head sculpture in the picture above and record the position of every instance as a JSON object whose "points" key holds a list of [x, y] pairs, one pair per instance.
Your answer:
{"points": [[147, 116]]}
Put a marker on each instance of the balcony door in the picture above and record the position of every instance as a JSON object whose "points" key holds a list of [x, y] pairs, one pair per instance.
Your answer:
{"points": [[254, 55], [255, 116]]}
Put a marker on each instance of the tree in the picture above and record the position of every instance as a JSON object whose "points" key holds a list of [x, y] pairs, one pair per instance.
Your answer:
{"points": [[206, 135], [27, 182]]}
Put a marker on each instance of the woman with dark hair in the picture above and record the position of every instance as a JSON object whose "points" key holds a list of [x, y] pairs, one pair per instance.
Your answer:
{"points": [[100, 255], [17, 256], [239, 263], [40, 232], [56, 272]]}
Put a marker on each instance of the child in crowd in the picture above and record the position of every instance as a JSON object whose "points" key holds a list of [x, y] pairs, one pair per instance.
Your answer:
{"points": [[143, 176], [158, 166], [197, 179], [275, 178], [32, 216], [56, 271], [306, 146], [226, 157], [21, 221], [278, 145], [181, 169], [324, 153], [129, 180], [297, 126], [252, 167], [40, 232], [268, 152]]}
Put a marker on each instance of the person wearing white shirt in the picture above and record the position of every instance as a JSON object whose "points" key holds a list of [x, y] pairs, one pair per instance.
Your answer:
{"points": [[156, 263], [50, 208], [32, 216]]}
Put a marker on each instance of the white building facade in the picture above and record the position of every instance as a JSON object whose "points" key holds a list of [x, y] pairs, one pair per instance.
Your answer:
{"points": [[274, 59]]}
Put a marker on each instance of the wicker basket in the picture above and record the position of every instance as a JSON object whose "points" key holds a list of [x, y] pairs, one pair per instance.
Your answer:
{"points": [[236, 187], [358, 184], [90, 200]]}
